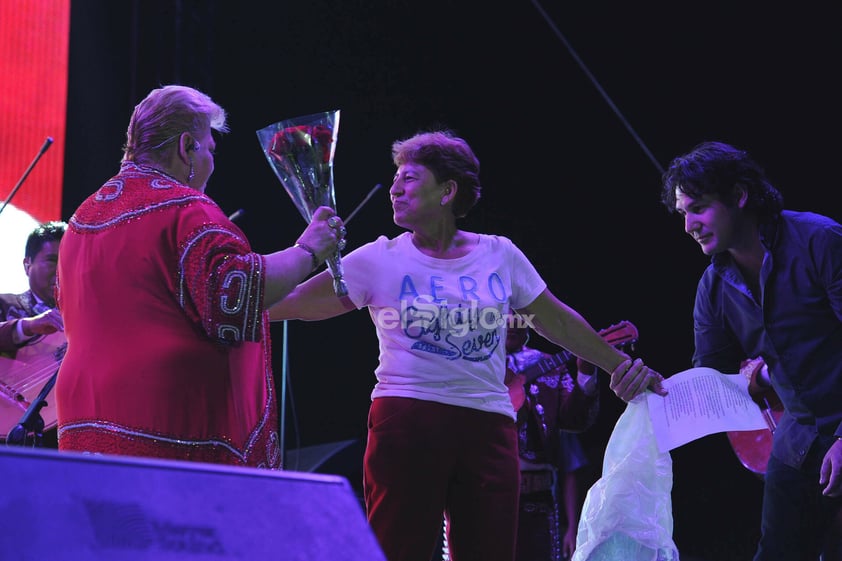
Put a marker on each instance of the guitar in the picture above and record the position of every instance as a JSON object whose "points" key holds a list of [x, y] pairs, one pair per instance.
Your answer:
{"points": [[618, 335], [753, 447], [23, 377]]}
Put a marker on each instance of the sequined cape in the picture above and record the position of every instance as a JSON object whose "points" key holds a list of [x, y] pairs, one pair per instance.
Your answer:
{"points": [[168, 348]]}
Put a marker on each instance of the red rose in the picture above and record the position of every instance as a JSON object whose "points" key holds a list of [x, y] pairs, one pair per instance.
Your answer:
{"points": [[302, 138]]}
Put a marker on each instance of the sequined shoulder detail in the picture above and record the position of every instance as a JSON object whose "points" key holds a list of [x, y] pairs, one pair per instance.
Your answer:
{"points": [[135, 191]]}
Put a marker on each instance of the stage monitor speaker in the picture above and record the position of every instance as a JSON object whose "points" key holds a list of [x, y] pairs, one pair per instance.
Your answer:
{"points": [[66, 506]]}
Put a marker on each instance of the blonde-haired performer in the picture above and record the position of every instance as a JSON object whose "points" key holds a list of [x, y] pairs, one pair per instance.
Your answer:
{"points": [[164, 302]]}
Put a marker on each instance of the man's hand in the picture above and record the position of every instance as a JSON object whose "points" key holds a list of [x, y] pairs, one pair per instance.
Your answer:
{"points": [[43, 324], [830, 475]]}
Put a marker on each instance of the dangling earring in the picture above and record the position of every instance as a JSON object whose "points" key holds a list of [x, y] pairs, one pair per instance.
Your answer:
{"points": [[192, 172]]}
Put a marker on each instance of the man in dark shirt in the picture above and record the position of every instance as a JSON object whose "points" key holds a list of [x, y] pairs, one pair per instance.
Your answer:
{"points": [[773, 290]]}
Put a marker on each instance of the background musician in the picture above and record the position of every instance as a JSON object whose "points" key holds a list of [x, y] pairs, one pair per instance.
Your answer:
{"points": [[26, 316], [552, 401]]}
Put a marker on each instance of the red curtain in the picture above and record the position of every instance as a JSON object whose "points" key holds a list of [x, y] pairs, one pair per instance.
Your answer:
{"points": [[34, 39]]}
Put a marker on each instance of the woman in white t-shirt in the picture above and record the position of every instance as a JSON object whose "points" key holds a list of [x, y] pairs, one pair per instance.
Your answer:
{"points": [[442, 435]]}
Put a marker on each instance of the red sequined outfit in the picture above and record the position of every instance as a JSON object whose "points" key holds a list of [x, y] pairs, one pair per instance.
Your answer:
{"points": [[168, 348]]}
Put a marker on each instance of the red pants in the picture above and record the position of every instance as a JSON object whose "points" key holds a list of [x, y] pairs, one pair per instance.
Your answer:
{"points": [[423, 459]]}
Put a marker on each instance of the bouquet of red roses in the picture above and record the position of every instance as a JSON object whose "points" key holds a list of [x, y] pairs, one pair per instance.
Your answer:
{"points": [[300, 151]]}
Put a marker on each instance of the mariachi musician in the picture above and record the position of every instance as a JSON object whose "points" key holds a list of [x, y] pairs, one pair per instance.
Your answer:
{"points": [[548, 402], [31, 331]]}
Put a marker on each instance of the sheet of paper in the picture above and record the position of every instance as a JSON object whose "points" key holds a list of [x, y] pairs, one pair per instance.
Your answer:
{"points": [[702, 401]]}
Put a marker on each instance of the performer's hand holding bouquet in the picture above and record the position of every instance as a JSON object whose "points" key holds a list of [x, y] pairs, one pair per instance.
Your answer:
{"points": [[300, 151]]}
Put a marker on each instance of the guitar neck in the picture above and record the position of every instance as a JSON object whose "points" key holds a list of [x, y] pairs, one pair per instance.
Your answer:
{"points": [[617, 335], [547, 364]]}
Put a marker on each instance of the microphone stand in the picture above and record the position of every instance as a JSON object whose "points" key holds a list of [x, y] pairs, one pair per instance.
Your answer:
{"points": [[32, 424], [285, 359], [47, 144]]}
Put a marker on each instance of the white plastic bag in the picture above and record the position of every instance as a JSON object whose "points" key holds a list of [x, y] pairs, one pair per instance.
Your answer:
{"points": [[627, 513]]}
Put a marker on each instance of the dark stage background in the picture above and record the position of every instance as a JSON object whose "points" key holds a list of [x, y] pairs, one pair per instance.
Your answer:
{"points": [[573, 109]]}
